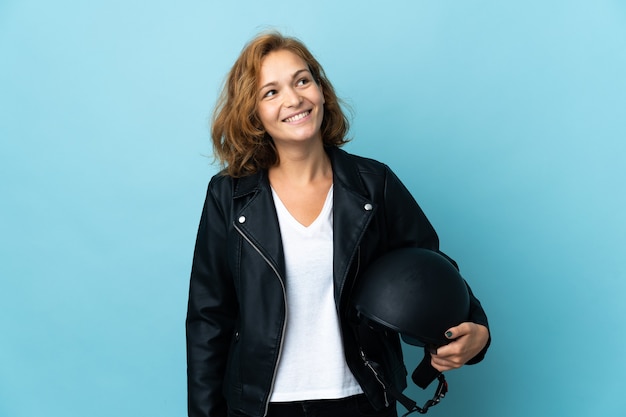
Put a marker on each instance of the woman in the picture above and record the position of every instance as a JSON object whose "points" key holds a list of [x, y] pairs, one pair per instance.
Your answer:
{"points": [[286, 230]]}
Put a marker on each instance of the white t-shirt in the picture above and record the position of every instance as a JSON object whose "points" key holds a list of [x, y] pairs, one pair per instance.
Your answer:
{"points": [[312, 363]]}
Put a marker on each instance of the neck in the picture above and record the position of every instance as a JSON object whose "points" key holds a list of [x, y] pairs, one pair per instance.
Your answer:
{"points": [[302, 165]]}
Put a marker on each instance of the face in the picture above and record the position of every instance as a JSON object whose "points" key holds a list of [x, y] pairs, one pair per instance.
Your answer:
{"points": [[290, 103]]}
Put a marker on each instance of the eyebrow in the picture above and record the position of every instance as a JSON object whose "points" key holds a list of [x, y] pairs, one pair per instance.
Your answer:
{"points": [[295, 75]]}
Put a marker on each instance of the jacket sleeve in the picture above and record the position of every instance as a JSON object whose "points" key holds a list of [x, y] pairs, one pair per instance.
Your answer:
{"points": [[211, 314], [407, 225]]}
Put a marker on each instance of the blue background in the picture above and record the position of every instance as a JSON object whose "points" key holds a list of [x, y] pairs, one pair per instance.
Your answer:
{"points": [[504, 118]]}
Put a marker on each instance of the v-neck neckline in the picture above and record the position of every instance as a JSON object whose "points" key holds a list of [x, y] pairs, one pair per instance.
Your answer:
{"points": [[321, 215]]}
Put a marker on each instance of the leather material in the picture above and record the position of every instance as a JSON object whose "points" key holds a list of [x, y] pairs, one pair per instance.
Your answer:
{"points": [[236, 311]]}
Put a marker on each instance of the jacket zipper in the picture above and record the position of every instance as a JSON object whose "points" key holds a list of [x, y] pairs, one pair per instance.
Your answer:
{"points": [[378, 378], [362, 353], [282, 336]]}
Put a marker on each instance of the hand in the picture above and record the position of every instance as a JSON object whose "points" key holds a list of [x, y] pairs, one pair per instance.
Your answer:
{"points": [[468, 339]]}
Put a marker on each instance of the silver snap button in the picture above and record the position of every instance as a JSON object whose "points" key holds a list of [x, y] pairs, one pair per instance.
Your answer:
{"points": [[242, 219], [368, 207]]}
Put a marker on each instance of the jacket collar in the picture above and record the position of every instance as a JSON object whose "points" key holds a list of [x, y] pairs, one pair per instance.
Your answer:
{"points": [[345, 172], [249, 184]]}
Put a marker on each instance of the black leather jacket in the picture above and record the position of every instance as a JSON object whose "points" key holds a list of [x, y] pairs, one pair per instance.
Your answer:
{"points": [[236, 312]]}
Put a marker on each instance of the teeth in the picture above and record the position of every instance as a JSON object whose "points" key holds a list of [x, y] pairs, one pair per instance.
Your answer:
{"points": [[297, 117]]}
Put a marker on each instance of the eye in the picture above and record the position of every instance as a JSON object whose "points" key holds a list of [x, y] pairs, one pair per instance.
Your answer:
{"points": [[302, 82], [269, 93]]}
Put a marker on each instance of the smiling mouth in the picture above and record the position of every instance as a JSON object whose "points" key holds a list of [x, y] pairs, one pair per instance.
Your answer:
{"points": [[297, 116]]}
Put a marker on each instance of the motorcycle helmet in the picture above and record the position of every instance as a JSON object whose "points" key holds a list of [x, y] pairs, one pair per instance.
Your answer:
{"points": [[419, 294], [415, 292]]}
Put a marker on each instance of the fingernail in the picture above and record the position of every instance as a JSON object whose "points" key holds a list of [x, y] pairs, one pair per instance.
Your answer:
{"points": [[448, 334]]}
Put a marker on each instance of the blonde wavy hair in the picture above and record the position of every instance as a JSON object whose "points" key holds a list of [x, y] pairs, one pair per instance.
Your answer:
{"points": [[240, 142]]}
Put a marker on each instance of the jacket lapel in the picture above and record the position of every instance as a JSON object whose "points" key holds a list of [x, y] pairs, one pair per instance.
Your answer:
{"points": [[255, 216], [352, 212]]}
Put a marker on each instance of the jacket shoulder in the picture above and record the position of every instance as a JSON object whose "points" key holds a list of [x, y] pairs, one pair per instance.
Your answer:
{"points": [[220, 187], [365, 165], [220, 181]]}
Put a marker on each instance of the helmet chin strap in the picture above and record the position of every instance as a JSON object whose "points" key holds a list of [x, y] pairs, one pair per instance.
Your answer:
{"points": [[423, 375]]}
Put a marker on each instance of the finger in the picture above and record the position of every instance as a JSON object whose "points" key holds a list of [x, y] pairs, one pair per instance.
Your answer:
{"points": [[439, 365], [458, 331], [445, 364], [452, 349]]}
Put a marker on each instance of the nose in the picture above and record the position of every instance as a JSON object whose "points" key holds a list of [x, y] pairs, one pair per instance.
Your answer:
{"points": [[292, 98]]}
